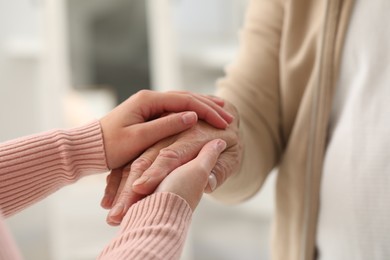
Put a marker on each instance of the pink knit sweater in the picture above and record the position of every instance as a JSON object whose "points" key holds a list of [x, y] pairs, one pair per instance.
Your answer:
{"points": [[31, 168]]}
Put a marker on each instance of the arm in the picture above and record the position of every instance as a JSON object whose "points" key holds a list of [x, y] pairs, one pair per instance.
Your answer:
{"points": [[33, 167], [156, 226], [154, 165], [251, 91], [252, 86]]}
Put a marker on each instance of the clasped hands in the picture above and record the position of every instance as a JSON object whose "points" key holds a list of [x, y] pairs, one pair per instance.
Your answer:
{"points": [[154, 142]]}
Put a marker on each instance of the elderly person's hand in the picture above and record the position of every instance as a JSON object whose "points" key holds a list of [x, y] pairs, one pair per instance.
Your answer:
{"points": [[190, 180], [125, 187]]}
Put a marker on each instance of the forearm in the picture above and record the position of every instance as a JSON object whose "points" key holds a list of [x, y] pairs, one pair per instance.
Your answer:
{"points": [[33, 167], [154, 228], [252, 86]]}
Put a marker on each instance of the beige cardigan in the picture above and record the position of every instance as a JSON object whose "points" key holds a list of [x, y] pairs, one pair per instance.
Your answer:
{"points": [[282, 83]]}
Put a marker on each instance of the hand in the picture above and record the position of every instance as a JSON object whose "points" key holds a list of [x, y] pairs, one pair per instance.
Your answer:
{"points": [[142, 120], [190, 180], [158, 161]]}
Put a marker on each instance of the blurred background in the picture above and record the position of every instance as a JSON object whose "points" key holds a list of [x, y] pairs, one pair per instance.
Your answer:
{"points": [[65, 62]]}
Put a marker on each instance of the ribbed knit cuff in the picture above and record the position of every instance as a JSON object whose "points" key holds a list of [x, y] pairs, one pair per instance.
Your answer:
{"points": [[35, 166], [153, 228]]}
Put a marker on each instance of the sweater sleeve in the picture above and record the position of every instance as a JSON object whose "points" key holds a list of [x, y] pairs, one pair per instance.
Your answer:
{"points": [[252, 86], [154, 228], [33, 167]]}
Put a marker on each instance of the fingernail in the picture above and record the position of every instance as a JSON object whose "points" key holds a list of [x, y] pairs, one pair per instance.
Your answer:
{"points": [[212, 181], [141, 180], [220, 145], [118, 209], [189, 118]]}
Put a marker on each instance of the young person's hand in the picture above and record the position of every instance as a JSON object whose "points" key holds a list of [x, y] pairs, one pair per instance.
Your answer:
{"points": [[158, 161], [148, 116], [190, 180]]}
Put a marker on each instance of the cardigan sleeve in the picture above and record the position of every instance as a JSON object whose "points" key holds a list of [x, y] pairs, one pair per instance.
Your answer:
{"points": [[251, 84], [155, 228], [33, 167]]}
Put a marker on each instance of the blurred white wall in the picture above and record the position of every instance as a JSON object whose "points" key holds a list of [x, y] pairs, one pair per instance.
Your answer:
{"points": [[19, 48], [20, 57], [191, 42]]}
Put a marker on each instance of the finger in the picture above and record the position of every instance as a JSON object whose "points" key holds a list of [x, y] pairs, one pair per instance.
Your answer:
{"points": [[113, 181], [209, 101], [208, 156], [203, 164], [217, 100], [173, 102], [174, 154], [190, 180], [213, 102], [122, 181], [126, 196], [217, 104], [227, 163], [149, 133], [164, 161]]}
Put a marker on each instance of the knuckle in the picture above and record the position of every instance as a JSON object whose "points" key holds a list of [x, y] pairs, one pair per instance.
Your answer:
{"points": [[142, 93], [180, 152], [140, 164], [141, 96], [197, 134], [168, 159], [170, 154], [125, 194], [223, 169]]}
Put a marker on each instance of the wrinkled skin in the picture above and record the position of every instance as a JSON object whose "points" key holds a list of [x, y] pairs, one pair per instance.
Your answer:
{"points": [[149, 116], [126, 186]]}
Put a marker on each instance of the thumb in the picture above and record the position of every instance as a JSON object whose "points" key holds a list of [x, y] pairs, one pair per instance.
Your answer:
{"points": [[189, 180]]}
